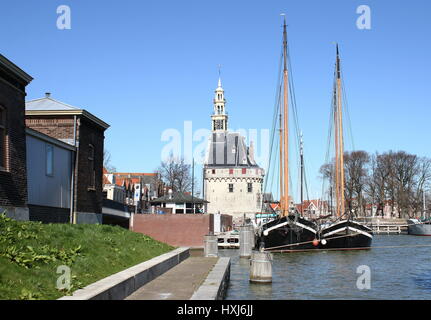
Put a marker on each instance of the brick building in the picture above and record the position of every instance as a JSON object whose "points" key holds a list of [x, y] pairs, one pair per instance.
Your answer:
{"points": [[13, 173], [84, 131]]}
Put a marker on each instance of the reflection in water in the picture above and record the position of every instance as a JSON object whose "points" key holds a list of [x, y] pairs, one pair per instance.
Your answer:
{"points": [[396, 273], [424, 281]]}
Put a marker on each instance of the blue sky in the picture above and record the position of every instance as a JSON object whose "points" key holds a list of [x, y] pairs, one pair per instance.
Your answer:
{"points": [[148, 66]]}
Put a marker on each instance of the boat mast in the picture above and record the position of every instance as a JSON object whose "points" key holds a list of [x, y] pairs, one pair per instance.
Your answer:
{"points": [[302, 175], [285, 206], [281, 166], [339, 145], [337, 177]]}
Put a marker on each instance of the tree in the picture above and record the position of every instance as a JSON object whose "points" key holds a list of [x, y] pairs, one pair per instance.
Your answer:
{"points": [[355, 178], [176, 174], [107, 162], [398, 179], [405, 169], [422, 182], [327, 172], [356, 174]]}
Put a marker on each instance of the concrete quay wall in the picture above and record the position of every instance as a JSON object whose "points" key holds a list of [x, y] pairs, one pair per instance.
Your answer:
{"points": [[122, 284], [216, 284]]}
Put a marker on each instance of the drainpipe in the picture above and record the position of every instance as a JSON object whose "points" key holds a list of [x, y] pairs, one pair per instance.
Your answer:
{"points": [[74, 164]]}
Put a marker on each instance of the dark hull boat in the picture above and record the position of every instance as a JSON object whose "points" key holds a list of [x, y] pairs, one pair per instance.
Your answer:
{"points": [[345, 235], [419, 227], [287, 234]]}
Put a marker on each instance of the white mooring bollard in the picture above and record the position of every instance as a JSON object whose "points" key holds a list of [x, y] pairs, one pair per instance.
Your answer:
{"points": [[210, 246], [252, 236], [261, 267], [245, 244]]}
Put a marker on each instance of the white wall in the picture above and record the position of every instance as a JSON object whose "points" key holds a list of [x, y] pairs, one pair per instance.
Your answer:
{"points": [[238, 202]]}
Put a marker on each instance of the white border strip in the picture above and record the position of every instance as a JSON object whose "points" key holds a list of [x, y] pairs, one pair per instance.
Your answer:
{"points": [[350, 228], [265, 233]]}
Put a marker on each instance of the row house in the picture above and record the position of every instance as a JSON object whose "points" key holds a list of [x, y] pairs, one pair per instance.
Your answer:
{"points": [[79, 128], [13, 154], [136, 189], [51, 155], [313, 208]]}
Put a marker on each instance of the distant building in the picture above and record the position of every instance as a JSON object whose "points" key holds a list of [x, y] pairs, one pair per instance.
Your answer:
{"points": [[313, 208], [111, 190], [13, 170], [387, 210], [149, 185], [232, 179], [179, 203], [81, 129]]}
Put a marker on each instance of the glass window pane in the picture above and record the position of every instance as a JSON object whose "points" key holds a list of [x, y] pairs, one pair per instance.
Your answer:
{"points": [[49, 160]]}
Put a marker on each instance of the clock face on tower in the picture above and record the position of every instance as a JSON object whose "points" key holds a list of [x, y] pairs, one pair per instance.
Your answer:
{"points": [[218, 125]]}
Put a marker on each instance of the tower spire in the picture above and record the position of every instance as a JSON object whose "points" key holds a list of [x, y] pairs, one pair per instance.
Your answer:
{"points": [[219, 118], [219, 76]]}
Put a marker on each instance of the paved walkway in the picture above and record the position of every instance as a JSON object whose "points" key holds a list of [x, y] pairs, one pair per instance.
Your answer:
{"points": [[179, 283]]}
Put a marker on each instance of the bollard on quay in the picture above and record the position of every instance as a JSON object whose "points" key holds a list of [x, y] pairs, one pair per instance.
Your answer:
{"points": [[245, 244], [210, 245], [252, 236], [261, 267]]}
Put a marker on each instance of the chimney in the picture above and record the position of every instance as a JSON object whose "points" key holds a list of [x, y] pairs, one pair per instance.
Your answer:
{"points": [[47, 94]]}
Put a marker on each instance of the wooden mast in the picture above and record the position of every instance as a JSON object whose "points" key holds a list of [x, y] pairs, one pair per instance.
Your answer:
{"points": [[281, 166], [337, 176], [339, 143], [302, 175], [285, 207]]}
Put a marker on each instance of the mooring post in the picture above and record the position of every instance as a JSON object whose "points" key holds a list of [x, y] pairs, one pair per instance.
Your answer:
{"points": [[244, 242], [210, 245], [252, 236], [261, 267]]}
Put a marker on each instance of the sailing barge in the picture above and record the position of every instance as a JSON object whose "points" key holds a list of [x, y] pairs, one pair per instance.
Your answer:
{"points": [[291, 231], [342, 232]]}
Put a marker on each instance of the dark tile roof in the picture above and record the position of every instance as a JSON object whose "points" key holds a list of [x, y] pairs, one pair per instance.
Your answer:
{"points": [[229, 149], [178, 197]]}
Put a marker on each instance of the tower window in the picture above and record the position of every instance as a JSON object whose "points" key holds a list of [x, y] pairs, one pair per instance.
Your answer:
{"points": [[231, 187], [244, 170], [249, 187]]}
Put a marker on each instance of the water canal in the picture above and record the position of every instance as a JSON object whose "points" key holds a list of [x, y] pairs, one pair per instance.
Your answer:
{"points": [[398, 270]]}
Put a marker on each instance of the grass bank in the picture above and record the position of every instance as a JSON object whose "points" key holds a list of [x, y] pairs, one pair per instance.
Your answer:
{"points": [[31, 252]]}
